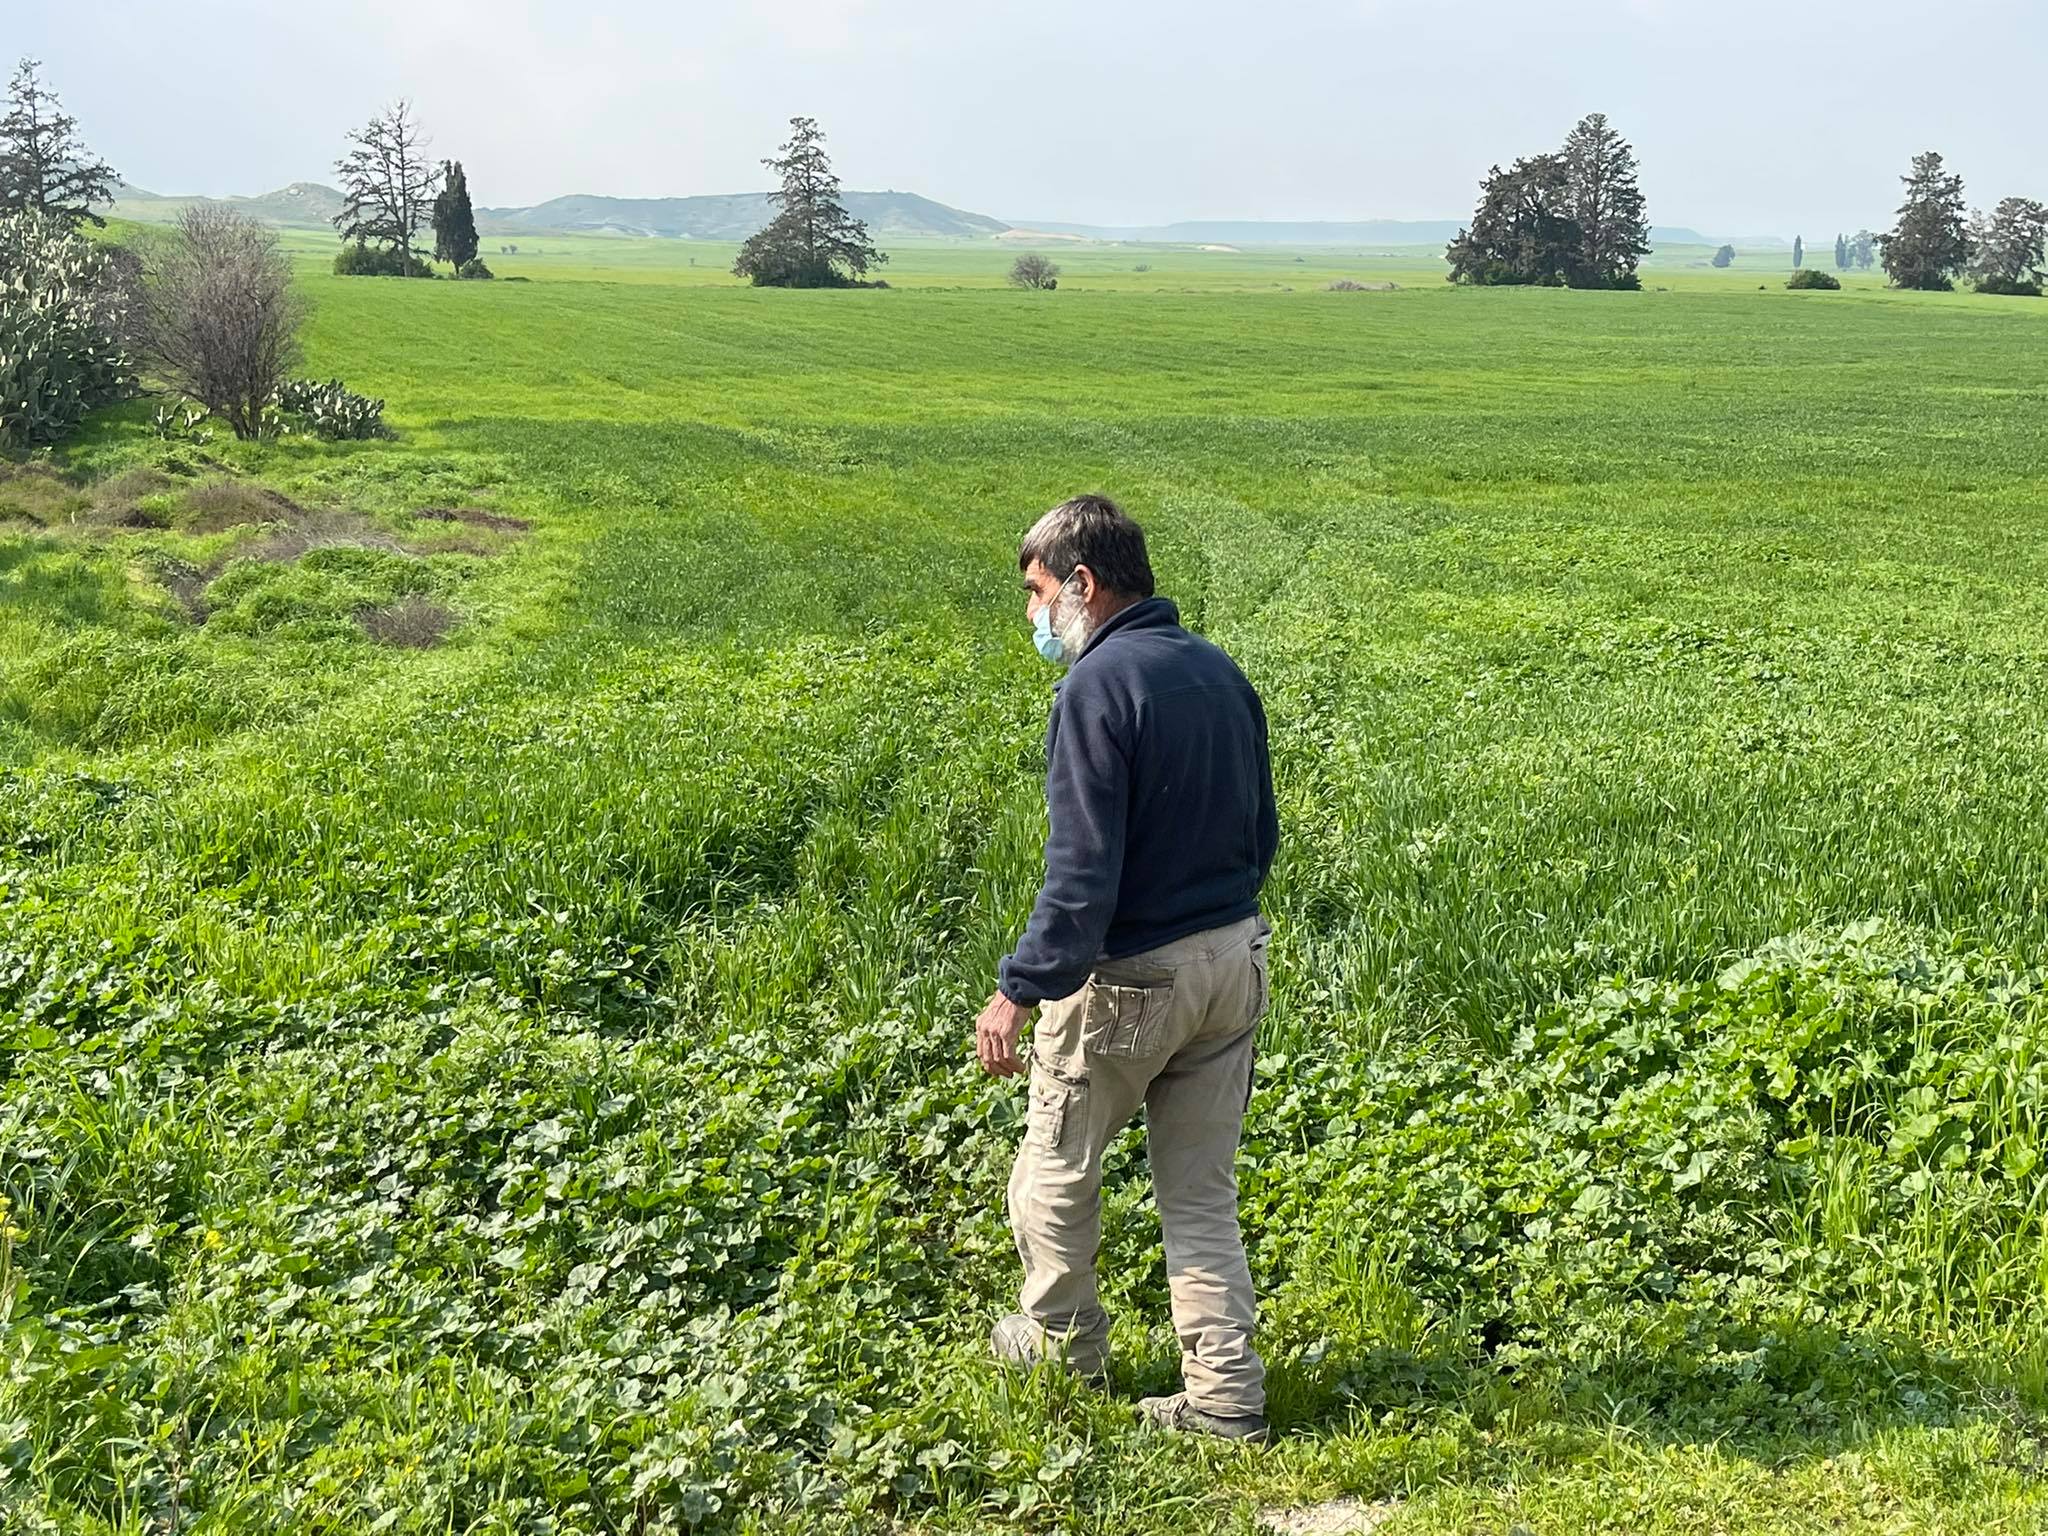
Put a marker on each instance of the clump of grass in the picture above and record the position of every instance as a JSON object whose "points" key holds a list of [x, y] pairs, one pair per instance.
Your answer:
{"points": [[316, 592], [412, 623], [35, 495], [215, 505]]}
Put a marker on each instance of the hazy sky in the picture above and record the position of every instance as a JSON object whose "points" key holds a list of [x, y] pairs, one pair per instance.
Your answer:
{"points": [[1749, 116]]}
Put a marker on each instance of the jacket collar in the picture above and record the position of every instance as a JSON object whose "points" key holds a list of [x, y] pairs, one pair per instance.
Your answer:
{"points": [[1146, 613]]}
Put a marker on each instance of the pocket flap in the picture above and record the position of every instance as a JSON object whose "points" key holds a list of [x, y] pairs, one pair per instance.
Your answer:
{"points": [[1125, 1021]]}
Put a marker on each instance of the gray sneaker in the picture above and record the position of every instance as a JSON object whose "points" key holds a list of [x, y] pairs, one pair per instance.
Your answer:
{"points": [[1022, 1341], [1183, 1417]]}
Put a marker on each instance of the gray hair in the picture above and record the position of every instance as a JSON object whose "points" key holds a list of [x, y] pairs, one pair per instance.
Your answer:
{"points": [[1092, 531]]}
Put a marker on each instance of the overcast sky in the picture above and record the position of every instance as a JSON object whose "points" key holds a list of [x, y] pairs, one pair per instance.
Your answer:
{"points": [[1749, 116]]}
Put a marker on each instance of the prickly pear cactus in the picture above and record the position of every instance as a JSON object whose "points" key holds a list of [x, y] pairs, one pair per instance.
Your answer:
{"points": [[332, 410], [60, 353]]}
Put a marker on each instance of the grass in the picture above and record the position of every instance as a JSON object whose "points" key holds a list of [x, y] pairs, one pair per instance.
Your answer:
{"points": [[520, 1081]]}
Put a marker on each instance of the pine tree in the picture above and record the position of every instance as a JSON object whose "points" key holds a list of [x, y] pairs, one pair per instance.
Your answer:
{"points": [[1931, 241], [43, 165], [1521, 232], [2009, 254], [1604, 198], [812, 242], [1798, 253], [1841, 253], [455, 239], [387, 185]]}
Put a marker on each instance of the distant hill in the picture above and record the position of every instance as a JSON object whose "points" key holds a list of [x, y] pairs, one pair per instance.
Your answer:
{"points": [[731, 216], [305, 204], [734, 216]]}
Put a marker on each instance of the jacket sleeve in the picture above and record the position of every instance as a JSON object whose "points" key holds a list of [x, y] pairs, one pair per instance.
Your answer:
{"points": [[1087, 799]]}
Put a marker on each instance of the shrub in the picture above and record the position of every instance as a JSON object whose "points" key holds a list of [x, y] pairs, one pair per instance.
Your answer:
{"points": [[361, 260], [1344, 285], [61, 320], [475, 270], [332, 410], [219, 316], [1807, 277], [1032, 270], [2021, 288]]}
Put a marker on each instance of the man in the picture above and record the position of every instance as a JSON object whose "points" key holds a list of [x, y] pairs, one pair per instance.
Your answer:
{"points": [[1145, 957]]}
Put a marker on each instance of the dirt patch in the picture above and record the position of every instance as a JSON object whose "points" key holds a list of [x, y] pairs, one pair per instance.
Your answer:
{"points": [[412, 622], [1337, 1517], [1352, 285], [187, 585], [223, 504], [481, 545], [476, 517]]}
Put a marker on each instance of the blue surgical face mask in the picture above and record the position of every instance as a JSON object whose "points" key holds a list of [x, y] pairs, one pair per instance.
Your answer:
{"points": [[1049, 645]]}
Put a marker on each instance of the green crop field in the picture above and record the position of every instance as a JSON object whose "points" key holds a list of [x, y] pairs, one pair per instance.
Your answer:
{"points": [[490, 921]]}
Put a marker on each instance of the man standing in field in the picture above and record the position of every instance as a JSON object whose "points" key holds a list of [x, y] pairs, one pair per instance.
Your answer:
{"points": [[1145, 957]]}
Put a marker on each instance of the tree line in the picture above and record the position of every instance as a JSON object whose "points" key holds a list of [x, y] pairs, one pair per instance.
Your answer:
{"points": [[1576, 218], [1937, 240]]}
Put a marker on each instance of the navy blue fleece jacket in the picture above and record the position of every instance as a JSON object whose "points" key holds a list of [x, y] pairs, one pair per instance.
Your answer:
{"points": [[1160, 795]]}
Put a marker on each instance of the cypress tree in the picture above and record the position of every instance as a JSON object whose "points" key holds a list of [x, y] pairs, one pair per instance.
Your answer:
{"points": [[1798, 253], [1841, 253], [454, 221]]}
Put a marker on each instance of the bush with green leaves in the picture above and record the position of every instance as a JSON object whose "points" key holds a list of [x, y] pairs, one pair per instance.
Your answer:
{"points": [[332, 410], [1807, 277], [474, 270], [60, 330], [363, 260]]}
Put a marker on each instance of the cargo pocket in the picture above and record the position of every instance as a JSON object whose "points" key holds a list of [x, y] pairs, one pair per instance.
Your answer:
{"points": [[1126, 1021], [1057, 1111]]}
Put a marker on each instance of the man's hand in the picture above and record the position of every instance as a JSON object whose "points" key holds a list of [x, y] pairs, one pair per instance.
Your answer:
{"points": [[995, 1036]]}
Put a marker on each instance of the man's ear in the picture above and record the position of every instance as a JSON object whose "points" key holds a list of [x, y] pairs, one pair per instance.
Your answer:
{"points": [[1089, 585]]}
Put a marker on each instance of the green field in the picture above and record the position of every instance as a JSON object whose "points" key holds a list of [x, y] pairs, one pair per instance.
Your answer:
{"points": [[523, 1083]]}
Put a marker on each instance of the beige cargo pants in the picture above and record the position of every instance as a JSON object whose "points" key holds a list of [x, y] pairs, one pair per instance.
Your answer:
{"points": [[1170, 1029]]}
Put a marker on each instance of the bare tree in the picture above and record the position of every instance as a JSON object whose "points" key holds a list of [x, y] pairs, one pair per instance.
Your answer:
{"points": [[388, 184], [43, 165], [220, 320], [1032, 270]]}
